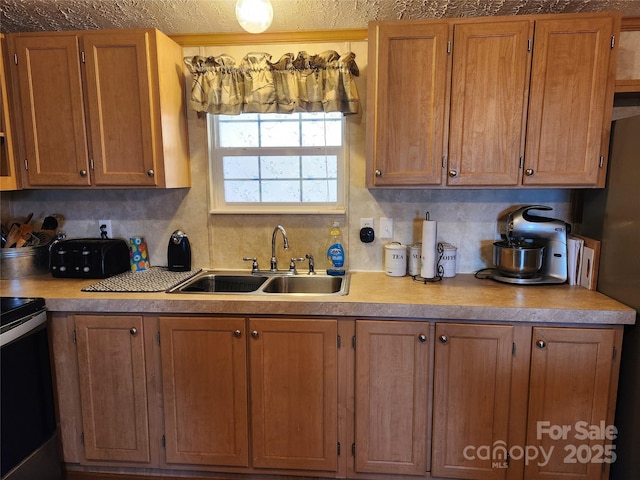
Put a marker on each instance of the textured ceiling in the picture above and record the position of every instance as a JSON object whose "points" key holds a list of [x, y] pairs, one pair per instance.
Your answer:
{"points": [[217, 16]]}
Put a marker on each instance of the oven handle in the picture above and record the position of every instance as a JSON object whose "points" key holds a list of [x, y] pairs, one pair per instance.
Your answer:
{"points": [[28, 326]]}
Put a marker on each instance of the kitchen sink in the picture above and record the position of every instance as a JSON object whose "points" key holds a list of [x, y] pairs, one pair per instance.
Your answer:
{"points": [[270, 283], [207, 282], [307, 284]]}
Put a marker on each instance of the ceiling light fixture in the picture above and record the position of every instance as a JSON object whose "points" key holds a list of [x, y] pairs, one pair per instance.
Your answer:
{"points": [[254, 16]]}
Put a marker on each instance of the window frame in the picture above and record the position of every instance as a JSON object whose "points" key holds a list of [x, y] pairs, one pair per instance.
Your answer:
{"points": [[218, 205]]}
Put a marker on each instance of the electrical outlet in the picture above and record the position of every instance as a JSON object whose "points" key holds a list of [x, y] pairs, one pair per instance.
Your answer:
{"points": [[366, 222], [106, 230], [386, 227]]}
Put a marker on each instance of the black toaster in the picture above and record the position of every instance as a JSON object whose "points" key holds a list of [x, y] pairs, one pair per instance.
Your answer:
{"points": [[89, 258]]}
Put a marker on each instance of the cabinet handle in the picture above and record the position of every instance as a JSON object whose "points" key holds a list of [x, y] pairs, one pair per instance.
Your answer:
{"points": [[150, 173], [378, 173], [83, 173], [528, 172], [453, 173], [133, 331], [237, 333], [443, 339], [422, 338], [255, 334], [541, 344]]}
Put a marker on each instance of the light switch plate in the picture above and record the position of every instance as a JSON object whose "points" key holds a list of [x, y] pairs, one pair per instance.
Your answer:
{"points": [[386, 227]]}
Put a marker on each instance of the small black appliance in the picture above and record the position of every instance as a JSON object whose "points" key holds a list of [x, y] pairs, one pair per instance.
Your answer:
{"points": [[179, 252], [89, 258]]}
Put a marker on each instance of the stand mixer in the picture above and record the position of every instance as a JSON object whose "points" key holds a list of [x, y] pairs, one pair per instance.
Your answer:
{"points": [[532, 235]]}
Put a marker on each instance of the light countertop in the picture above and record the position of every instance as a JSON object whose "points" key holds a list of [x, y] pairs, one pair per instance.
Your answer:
{"points": [[372, 294]]}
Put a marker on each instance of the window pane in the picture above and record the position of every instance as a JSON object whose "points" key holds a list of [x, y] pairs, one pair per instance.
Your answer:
{"points": [[240, 167], [319, 191], [242, 191], [319, 166], [280, 134], [238, 134], [280, 167], [280, 191]]}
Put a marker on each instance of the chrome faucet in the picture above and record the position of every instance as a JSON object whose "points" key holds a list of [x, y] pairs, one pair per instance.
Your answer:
{"points": [[274, 260]]}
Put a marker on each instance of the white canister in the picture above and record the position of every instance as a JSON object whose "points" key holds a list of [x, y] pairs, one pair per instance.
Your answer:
{"points": [[415, 258], [447, 254], [395, 259]]}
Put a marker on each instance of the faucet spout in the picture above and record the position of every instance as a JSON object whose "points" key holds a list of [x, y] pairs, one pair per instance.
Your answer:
{"points": [[274, 260]]}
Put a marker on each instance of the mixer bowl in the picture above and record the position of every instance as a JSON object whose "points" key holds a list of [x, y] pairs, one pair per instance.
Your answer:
{"points": [[521, 260]]}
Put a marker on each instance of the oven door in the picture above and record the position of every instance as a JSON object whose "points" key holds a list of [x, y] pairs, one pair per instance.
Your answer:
{"points": [[29, 446]]}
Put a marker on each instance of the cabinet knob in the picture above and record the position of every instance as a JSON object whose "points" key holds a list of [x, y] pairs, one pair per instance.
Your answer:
{"points": [[237, 333], [255, 334], [133, 331], [541, 344], [528, 172], [378, 173], [150, 173], [422, 338], [453, 173], [443, 339], [83, 173]]}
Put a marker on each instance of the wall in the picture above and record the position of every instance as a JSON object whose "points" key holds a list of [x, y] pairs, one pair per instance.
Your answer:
{"points": [[466, 218]]}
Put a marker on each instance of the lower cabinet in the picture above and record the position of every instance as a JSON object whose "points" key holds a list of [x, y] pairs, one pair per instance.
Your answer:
{"points": [[200, 395], [392, 377], [574, 375], [204, 387], [209, 366], [113, 388], [472, 399]]}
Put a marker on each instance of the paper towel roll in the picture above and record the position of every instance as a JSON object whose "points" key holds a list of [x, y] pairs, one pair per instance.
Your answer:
{"points": [[429, 255]]}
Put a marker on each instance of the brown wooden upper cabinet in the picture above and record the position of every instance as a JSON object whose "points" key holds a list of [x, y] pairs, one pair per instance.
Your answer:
{"points": [[8, 175], [101, 108], [493, 101]]}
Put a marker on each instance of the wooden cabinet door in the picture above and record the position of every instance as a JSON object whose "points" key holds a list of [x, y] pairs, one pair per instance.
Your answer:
{"points": [[113, 389], [471, 404], [52, 106], [571, 378], [572, 83], [293, 365], [204, 378], [119, 95], [406, 103], [489, 88], [392, 409], [8, 175]]}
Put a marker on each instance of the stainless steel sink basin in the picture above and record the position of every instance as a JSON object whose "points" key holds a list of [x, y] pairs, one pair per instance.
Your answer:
{"points": [[207, 282], [284, 283], [306, 284]]}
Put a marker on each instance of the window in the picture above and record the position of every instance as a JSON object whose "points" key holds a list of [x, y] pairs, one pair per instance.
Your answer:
{"points": [[277, 163]]}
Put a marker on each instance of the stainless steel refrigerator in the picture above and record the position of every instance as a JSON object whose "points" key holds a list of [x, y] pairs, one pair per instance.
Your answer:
{"points": [[612, 215]]}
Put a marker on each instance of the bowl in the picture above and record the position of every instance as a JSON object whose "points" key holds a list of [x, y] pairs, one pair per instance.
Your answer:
{"points": [[521, 260]]}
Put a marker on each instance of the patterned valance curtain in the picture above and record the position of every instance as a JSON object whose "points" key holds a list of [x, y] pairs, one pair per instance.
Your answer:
{"points": [[302, 83]]}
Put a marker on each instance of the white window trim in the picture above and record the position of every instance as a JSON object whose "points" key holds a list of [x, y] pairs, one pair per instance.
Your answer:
{"points": [[217, 204]]}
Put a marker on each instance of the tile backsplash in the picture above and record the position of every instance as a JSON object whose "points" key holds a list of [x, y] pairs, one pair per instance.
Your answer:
{"points": [[466, 218]]}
